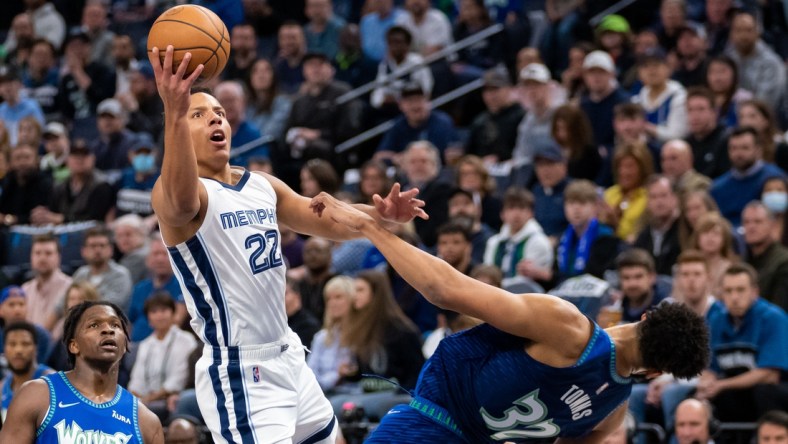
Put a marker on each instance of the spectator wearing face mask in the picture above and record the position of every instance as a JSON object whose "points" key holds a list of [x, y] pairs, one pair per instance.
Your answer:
{"points": [[137, 181], [774, 196]]}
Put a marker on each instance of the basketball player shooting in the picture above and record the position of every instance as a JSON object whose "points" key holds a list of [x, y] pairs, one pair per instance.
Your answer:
{"points": [[538, 369], [221, 227]]}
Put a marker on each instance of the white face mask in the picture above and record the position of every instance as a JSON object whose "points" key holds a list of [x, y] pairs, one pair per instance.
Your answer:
{"points": [[775, 201]]}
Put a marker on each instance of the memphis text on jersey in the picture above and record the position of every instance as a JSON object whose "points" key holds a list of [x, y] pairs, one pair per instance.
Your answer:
{"points": [[240, 218]]}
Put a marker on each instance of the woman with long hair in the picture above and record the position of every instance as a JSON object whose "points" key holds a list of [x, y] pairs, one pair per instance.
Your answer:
{"points": [[329, 360], [318, 175], [713, 237], [373, 180], [473, 177], [571, 129], [30, 133], [626, 199], [267, 109], [693, 205], [722, 78], [758, 115]]}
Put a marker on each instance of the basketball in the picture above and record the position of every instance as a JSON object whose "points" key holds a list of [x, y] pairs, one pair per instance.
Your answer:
{"points": [[194, 29]]}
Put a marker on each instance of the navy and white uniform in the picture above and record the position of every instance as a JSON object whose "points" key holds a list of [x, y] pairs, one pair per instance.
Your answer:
{"points": [[481, 386], [252, 382], [72, 418]]}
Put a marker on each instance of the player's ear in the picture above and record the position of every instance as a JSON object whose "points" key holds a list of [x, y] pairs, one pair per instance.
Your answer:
{"points": [[73, 348]]}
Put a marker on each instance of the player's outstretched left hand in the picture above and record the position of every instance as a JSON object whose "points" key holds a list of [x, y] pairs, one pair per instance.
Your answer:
{"points": [[340, 212], [400, 206]]}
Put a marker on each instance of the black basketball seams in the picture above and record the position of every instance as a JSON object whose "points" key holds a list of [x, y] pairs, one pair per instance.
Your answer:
{"points": [[189, 24], [218, 30]]}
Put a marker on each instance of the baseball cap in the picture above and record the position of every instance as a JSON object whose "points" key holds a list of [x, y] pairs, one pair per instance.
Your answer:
{"points": [[80, 147], [11, 291], [549, 151], [496, 78], [599, 60], [55, 129], [110, 106], [8, 73], [535, 72], [613, 23]]}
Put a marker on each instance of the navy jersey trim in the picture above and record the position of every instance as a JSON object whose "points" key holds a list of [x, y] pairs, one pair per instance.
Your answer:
{"points": [[204, 310], [81, 397], [589, 347], [324, 433], [242, 420], [237, 187], [222, 299], [204, 265], [221, 402], [52, 406]]}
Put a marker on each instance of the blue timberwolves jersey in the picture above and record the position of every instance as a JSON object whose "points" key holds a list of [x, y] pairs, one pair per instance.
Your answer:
{"points": [[72, 418], [496, 392]]}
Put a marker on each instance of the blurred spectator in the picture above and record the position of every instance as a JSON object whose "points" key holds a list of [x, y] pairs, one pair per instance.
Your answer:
{"points": [[430, 28], [142, 103], [762, 70], [421, 166], [19, 348], [663, 99], [743, 183], [672, 19], [301, 321], [40, 77], [15, 107], [564, 17], [693, 422], [353, 66], [373, 180], [766, 255], [691, 56], [453, 323], [328, 358], [95, 23], [24, 187], [57, 147], [626, 200], [183, 431], [602, 94], [160, 280], [136, 183], [707, 136], [454, 246], [161, 365], [30, 132], [571, 129], [267, 108], [244, 52], [322, 29], [722, 78], [419, 122], [640, 288], [465, 211], [572, 77], [758, 115], [19, 37], [398, 58], [473, 177], [112, 281], [317, 123], [292, 247], [693, 283], [692, 205], [288, 63], [124, 61], [713, 238], [13, 309], [472, 17], [85, 195], [115, 140], [587, 245], [314, 274], [775, 197], [83, 84], [317, 175], [772, 427], [520, 249], [613, 36], [551, 181], [230, 94], [676, 162], [374, 26], [47, 22], [46, 290], [748, 339], [493, 133], [718, 14], [535, 128], [131, 239], [660, 237]]}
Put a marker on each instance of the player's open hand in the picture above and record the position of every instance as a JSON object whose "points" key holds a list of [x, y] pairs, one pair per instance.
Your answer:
{"points": [[400, 206], [174, 89], [340, 212]]}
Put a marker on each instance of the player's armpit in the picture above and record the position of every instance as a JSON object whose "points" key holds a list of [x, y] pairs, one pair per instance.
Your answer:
{"points": [[25, 414], [150, 426]]}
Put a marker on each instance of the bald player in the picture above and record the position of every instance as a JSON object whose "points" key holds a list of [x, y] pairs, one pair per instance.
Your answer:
{"points": [[676, 160]]}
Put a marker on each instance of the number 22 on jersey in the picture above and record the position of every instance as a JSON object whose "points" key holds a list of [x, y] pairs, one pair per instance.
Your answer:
{"points": [[260, 260]]}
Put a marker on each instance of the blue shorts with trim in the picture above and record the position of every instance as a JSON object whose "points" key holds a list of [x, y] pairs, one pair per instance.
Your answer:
{"points": [[403, 424]]}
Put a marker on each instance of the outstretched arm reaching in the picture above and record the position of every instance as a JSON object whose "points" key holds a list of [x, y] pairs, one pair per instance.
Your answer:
{"points": [[541, 318]]}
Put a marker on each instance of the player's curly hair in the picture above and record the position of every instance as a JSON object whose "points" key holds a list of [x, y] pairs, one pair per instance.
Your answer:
{"points": [[674, 339], [74, 316]]}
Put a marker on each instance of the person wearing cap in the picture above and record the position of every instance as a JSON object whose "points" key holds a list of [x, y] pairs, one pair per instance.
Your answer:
{"points": [[57, 145], [84, 196], [15, 107], [24, 186], [663, 99], [322, 29], [83, 86], [463, 209], [534, 129], [398, 57], [419, 122], [602, 94], [115, 140], [691, 54], [13, 308], [40, 77], [550, 165], [761, 70], [613, 35], [493, 133]]}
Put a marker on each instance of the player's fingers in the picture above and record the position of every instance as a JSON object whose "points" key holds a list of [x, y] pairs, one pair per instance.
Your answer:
{"points": [[182, 67], [155, 61], [410, 194], [418, 202], [422, 214], [377, 199], [193, 77], [395, 189], [167, 66]]}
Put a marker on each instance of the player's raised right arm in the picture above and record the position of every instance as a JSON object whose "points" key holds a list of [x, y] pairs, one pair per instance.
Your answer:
{"points": [[176, 195], [25, 413]]}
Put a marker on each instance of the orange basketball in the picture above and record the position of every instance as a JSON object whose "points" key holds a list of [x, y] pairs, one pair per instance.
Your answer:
{"points": [[194, 29]]}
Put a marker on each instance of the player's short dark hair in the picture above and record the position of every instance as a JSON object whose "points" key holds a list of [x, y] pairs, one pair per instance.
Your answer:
{"points": [[516, 197], [453, 227], [636, 257], [21, 326], [776, 417], [159, 299], [74, 316], [46, 238], [674, 339]]}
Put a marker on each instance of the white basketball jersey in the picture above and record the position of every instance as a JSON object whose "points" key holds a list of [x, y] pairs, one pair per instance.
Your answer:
{"points": [[231, 271]]}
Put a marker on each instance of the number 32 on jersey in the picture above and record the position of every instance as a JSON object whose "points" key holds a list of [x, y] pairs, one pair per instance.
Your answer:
{"points": [[516, 423], [265, 251]]}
